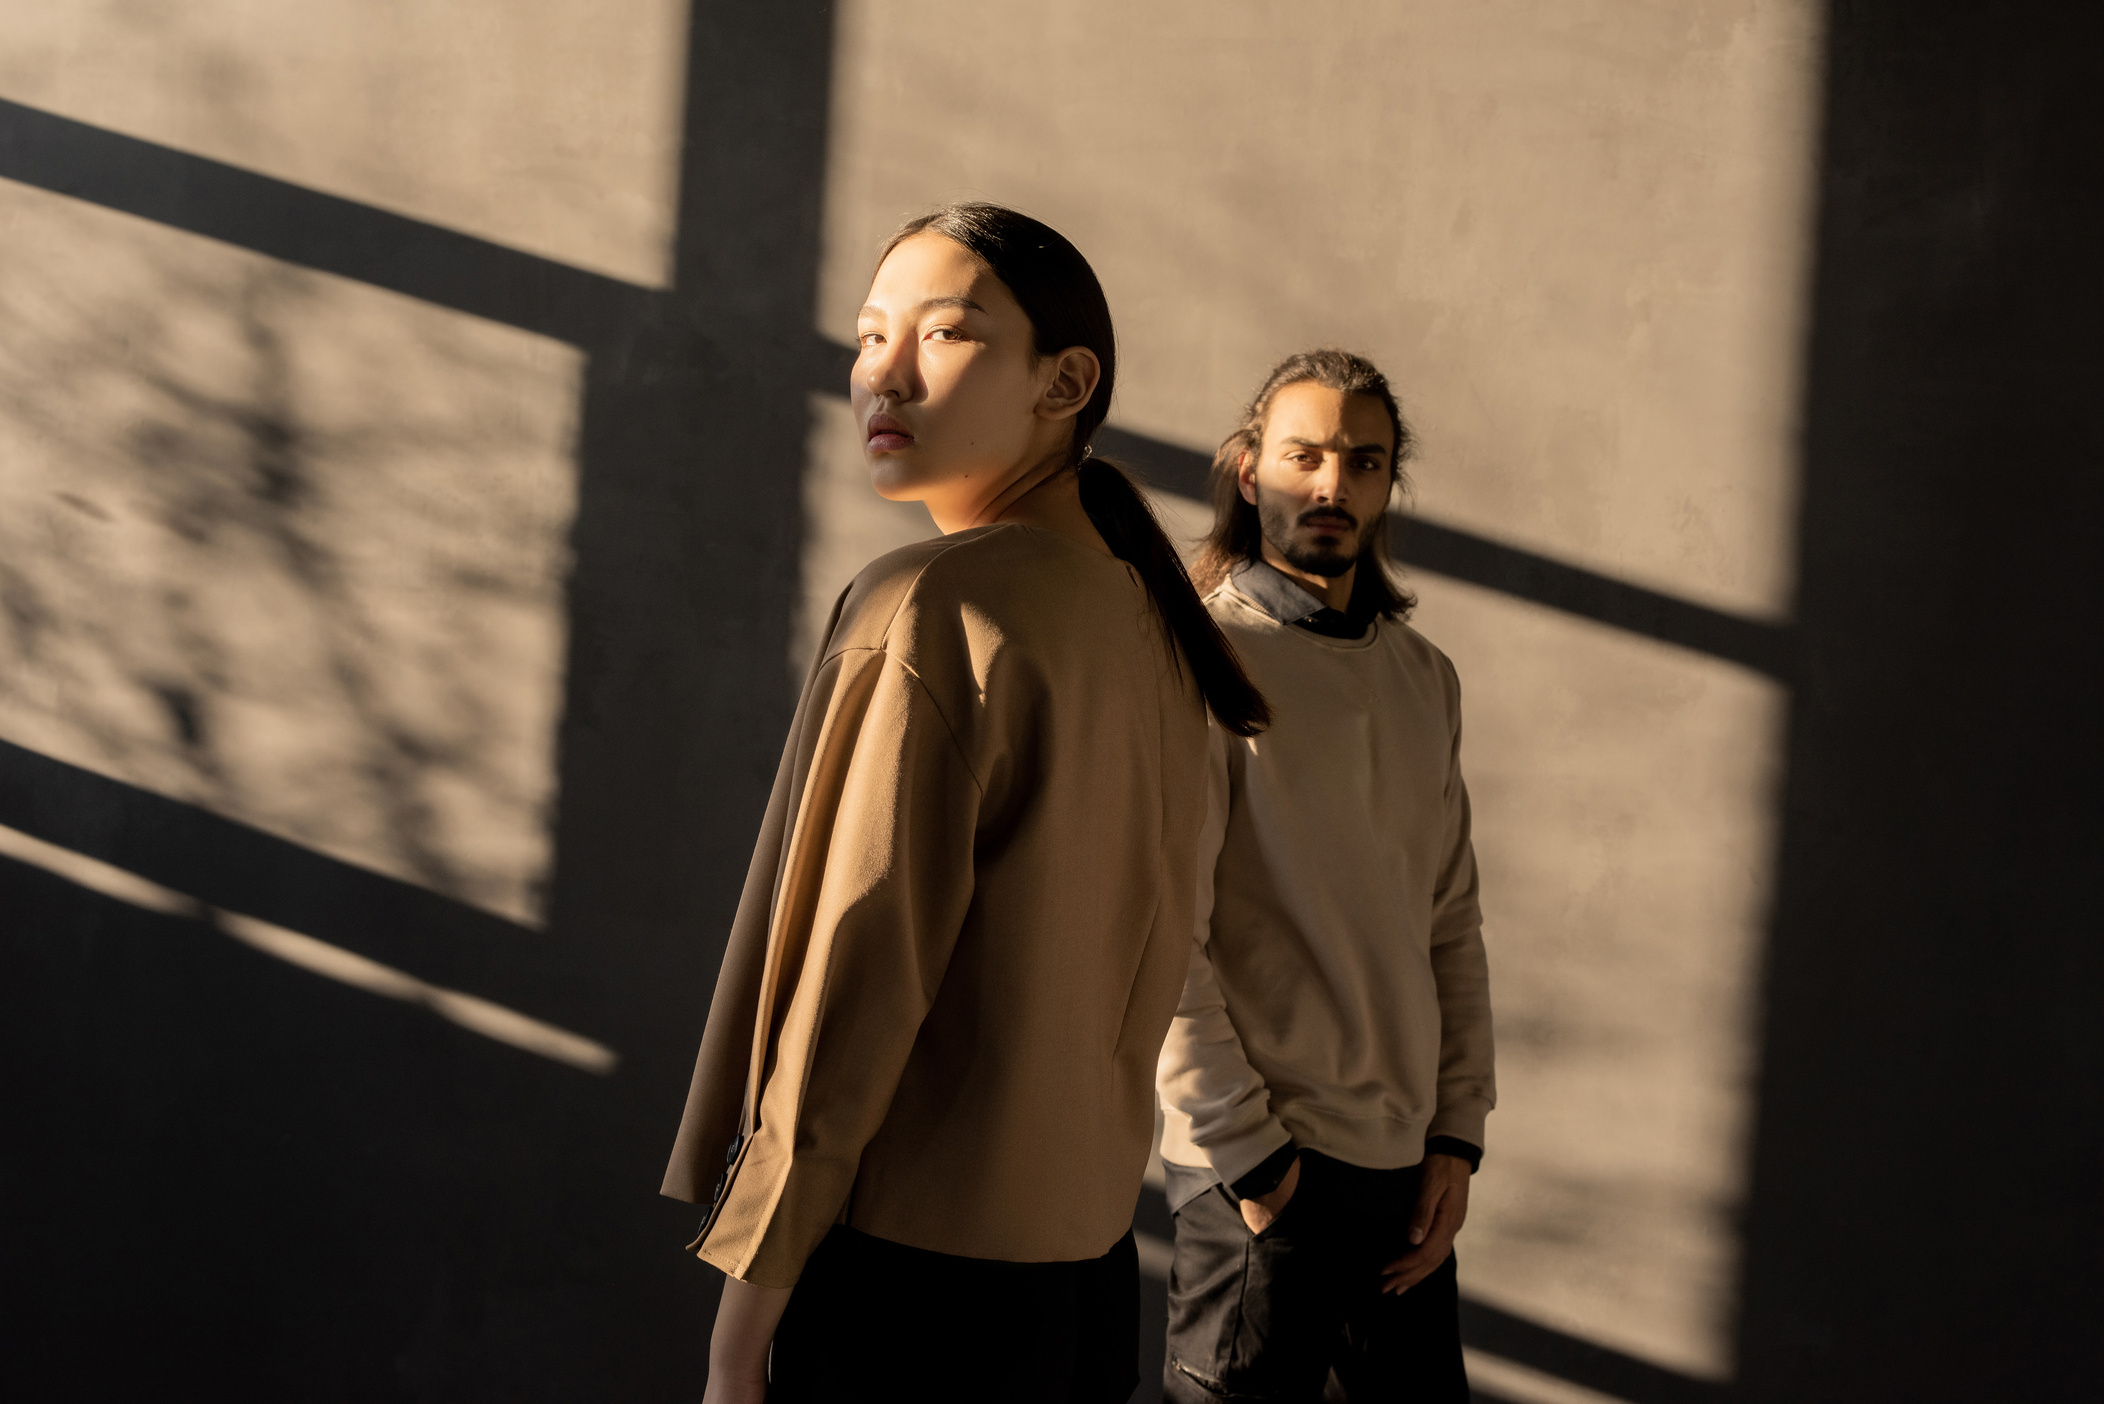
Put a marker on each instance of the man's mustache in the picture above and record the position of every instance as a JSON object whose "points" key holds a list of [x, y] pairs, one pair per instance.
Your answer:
{"points": [[1326, 514]]}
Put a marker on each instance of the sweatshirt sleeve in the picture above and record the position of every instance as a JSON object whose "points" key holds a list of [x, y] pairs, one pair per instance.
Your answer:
{"points": [[1204, 1074], [873, 881], [1467, 1085]]}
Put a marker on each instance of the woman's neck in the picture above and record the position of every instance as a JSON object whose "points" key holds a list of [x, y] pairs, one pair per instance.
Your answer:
{"points": [[1053, 503], [1046, 495]]}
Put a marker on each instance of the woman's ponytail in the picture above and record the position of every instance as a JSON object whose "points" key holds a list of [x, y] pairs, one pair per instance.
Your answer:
{"points": [[1059, 292], [1129, 528]]}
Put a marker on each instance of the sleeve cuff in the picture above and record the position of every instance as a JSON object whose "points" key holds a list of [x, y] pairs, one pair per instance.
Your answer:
{"points": [[1236, 1158], [1457, 1148], [1268, 1175], [1461, 1118]]}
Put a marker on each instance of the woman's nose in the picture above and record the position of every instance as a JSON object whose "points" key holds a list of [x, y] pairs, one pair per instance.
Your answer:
{"points": [[888, 370]]}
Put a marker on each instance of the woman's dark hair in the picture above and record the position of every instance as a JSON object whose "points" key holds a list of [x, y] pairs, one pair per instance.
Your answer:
{"points": [[1238, 535], [1058, 291]]}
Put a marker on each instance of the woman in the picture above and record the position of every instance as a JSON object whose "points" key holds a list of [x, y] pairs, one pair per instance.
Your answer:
{"points": [[924, 1097]]}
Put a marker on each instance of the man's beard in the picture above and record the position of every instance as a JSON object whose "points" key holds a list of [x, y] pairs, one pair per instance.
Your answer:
{"points": [[1278, 524]]}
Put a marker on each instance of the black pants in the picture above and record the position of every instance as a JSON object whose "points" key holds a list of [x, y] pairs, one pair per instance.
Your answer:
{"points": [[873, 1319], [1296, 1313]]}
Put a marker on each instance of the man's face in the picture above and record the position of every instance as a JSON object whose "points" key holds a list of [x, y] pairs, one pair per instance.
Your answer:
{"points": [[1320, 479]]}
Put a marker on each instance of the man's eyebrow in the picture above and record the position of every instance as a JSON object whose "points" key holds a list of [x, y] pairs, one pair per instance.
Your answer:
{"points": [[958, 300], [1325, 443]]}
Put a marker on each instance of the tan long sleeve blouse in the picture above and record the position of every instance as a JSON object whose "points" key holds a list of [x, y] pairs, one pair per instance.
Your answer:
{"points": [[966, 924]]}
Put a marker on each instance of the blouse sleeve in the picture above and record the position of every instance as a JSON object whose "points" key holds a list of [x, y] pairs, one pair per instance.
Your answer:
{"points": [[1204, 1072], [871, 829]]}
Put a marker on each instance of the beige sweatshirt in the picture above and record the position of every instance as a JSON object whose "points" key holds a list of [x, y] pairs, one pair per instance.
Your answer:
{"points": [[1337, 994], [966, 923]]}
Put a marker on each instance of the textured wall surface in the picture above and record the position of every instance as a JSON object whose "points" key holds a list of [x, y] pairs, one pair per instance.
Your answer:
{"points": [[293, 548]]}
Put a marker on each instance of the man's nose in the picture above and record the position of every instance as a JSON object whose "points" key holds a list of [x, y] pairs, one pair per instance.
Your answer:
{"points": [[1329, 480]]}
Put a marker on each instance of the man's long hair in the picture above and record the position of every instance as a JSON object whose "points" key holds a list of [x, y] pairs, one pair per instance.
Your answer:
{"points": [[1237, 533]]}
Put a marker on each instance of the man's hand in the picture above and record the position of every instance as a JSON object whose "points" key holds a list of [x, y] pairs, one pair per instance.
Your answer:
{"points": [[1442, 1203], [1259, 1212]]}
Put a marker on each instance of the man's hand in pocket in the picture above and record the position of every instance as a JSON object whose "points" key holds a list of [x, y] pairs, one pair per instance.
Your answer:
{"points": [[1260, 1211]]}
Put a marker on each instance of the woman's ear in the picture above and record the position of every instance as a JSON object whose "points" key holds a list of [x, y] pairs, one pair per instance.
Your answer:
{"points": [[1075, 372]]}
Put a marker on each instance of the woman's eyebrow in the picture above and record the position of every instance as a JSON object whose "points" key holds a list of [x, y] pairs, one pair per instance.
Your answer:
{"points": [[956, 300]]}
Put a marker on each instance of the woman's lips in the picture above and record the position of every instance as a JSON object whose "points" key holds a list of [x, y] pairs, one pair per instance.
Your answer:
{"points": [[887, 435]]}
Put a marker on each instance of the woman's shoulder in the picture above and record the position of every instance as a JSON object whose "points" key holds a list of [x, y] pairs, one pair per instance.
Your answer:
{"points": [[1000, 572], [881, 589], [994, 571]]}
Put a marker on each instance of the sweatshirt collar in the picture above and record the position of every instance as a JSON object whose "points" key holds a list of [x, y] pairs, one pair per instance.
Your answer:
{"points": [[1288, 602]]}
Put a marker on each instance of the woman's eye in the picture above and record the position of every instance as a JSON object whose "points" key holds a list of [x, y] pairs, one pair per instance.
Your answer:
{"points": [[871, 338], [945, 334]]}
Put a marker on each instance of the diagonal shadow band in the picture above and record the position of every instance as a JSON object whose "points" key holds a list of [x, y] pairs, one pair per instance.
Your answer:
{"points": [[233, 866], [315, 230], [1461, 555]]}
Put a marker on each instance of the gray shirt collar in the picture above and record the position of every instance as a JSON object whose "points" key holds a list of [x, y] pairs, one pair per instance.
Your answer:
{"points": [[1275, 594], [1290, 603]]}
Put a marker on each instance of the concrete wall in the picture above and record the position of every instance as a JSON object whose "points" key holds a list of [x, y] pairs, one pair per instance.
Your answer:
{"points": [[423, 467]]}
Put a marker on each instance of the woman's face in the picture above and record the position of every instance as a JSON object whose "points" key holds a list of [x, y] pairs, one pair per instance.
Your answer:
{"points": [[952, 398]]}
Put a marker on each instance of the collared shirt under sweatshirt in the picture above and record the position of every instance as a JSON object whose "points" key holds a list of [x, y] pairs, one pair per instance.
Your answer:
{"points": [[1338, 997], [966, 923]]}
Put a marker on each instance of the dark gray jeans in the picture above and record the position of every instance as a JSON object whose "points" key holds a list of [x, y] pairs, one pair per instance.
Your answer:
{"points": [[1295, 1313]]}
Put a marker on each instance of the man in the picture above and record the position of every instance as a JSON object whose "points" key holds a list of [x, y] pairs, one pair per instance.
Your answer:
{"points": [[1325, 1083]]}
